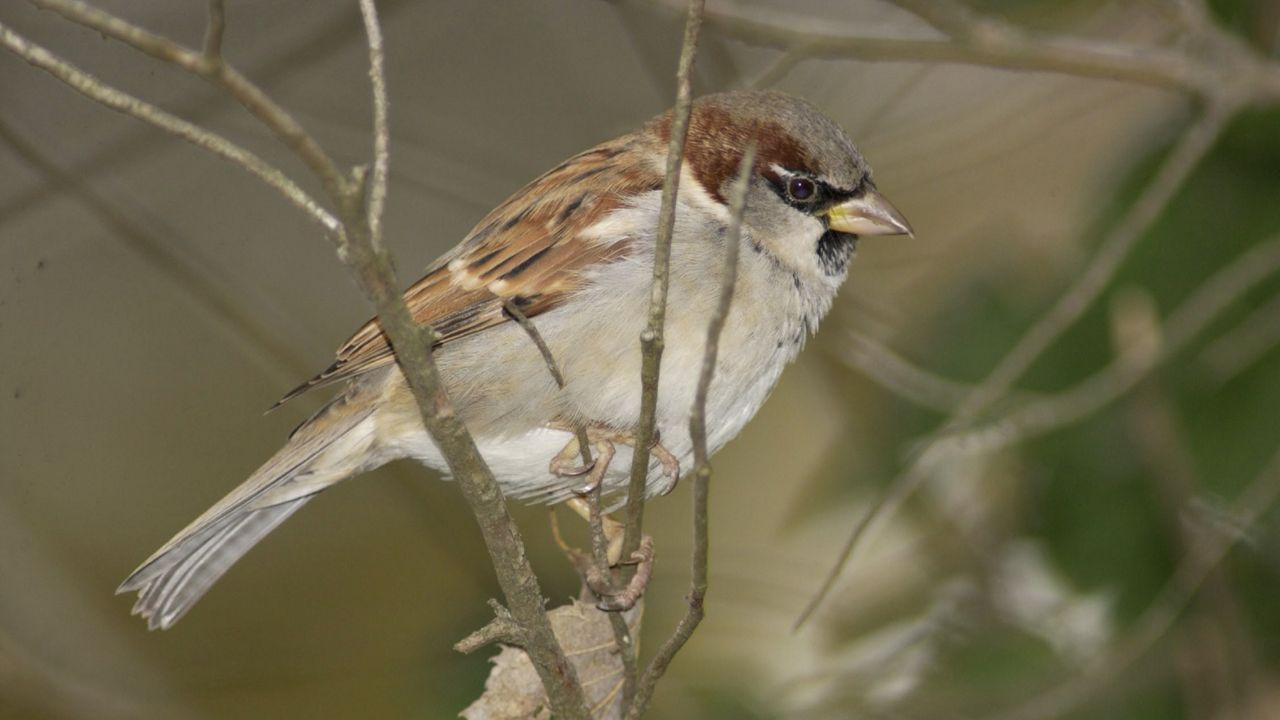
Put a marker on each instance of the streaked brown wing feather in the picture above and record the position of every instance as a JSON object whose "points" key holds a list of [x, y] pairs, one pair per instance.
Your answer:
{"points": [[528, 250]]}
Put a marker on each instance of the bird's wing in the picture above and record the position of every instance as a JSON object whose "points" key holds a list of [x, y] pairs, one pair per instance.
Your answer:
{"points": [[530, 251]]}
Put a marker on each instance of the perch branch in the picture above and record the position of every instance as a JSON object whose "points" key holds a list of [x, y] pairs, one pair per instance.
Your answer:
{"points": [[698, 434], [371, 264], [599, 544], [651, 339]]}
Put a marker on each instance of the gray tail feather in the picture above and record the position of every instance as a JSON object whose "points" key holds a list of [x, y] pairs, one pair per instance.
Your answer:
{"points": [[167, 591], [178, 574]]}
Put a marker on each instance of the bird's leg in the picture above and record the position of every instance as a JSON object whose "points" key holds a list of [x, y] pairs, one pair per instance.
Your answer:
{"points": [[562, 464], [614, 530], [670, 463], [626, 598], [602, 440]]}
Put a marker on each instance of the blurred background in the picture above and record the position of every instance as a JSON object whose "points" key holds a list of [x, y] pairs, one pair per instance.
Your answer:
{"points": [[1061, 560]]}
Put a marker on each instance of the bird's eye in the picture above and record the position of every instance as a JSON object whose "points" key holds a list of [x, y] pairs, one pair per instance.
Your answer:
{"points": [[801, 189]]}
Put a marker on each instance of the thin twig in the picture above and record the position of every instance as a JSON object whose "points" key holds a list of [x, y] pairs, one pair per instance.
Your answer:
{"points": [[269, 113], [512, 309], [698, 435], [900, 376], [1205, 305], [975, 39], [599, 543], [501, 629], [1242, 346], [371, 264], [214, 28], [1191, 147], [1194, 143], [651, 339], [377, 198], [122, 102]]}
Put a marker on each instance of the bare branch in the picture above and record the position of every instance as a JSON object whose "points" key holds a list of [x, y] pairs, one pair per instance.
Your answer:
{"points": [[213, 31], [902, 377], [1191, 147], [976, 39], [698, 434], [599, 543], [124, 103], [501, 629], [371, 264], [1000, 46], [651, 339], [512, 309], [381, 132], [1241, 347], [213, 69]]}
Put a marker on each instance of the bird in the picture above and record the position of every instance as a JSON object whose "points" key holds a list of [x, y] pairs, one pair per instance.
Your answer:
{"points": [[572, 252]]}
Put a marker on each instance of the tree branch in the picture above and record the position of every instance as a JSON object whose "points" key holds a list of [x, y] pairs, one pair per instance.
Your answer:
{"points": [[651, 339], [371, 264], [377, 196], [698, 434]]}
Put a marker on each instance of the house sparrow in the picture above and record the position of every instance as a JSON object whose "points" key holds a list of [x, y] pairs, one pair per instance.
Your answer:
{"points": [[573, 252]]}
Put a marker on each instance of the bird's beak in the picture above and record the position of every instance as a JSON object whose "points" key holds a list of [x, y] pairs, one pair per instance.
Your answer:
{"points": [[870, 214]]}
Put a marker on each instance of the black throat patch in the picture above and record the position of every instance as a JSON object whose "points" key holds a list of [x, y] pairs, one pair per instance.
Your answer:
{"points": [[834, 251]]}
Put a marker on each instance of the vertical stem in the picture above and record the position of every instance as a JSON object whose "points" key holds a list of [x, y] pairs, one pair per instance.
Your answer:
{"points": [[698, 434], [651, 339]]}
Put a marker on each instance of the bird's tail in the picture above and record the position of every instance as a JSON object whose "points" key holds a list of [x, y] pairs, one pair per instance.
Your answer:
{"points": [[335, 443]]}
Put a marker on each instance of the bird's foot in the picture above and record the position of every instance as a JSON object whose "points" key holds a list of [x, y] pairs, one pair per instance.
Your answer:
{"points": [[622, 600], [602, 440]]}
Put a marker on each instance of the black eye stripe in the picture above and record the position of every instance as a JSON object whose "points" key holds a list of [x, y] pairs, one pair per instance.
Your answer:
{"points": [[822, 195]]}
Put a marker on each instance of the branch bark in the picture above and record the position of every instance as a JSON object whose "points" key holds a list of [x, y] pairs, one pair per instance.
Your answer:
{"points": [[698, 434], [651, 339]]}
